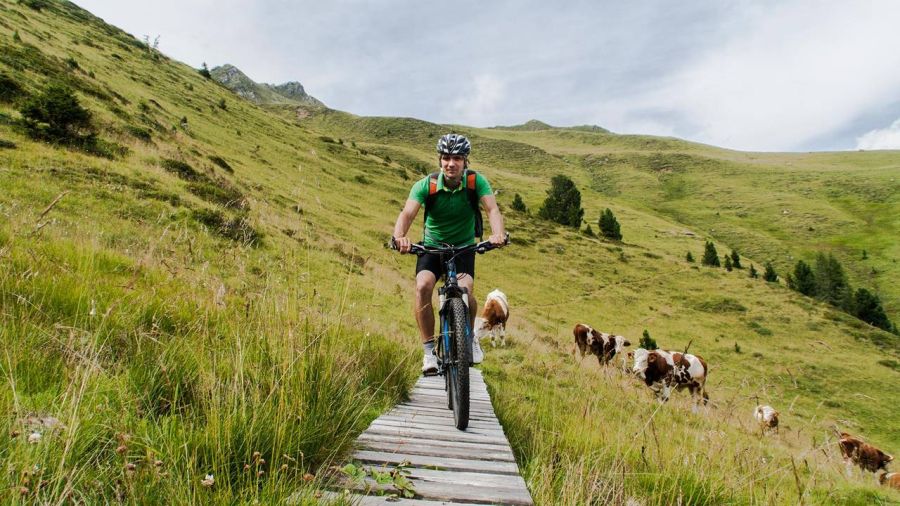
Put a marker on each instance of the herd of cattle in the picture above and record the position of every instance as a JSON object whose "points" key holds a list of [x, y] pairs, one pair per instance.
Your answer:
{"points": [[663, 371]]}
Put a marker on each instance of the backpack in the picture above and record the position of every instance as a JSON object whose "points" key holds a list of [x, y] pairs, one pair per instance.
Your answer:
{"points": [[470, 192]]}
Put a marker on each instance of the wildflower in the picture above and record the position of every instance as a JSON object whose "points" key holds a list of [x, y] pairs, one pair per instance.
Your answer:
{"points": [[23, 490], [308, 477], [35, 437], [158, 463], [93, 311], [121, 449], [208, 481], [246, 467], [260, 473], [284, 467]]}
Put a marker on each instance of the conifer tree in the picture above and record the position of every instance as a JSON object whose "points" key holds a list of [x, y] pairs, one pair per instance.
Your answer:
{"points": [[519, 205], [710, 255], [753, 273], [770, 275], [803, 279], [831, 281], [647, 342], [204, 71], [563, 202], [868, 308], [588, 231], [689, 257], [609, 226], [736, 259], [728, 263]]}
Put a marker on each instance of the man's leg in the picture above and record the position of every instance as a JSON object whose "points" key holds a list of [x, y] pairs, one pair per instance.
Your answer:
{"points": [[468, 282], [423, 310]]}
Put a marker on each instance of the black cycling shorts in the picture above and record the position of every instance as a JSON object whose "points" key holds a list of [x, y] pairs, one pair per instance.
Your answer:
{"points": [[465, 263]]}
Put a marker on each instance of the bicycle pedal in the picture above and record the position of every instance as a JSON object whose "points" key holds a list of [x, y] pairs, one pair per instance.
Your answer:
{"points": [[430, 372]]}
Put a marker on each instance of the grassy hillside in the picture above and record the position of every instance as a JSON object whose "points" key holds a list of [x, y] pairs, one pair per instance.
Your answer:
{"points": [[212, 282]]}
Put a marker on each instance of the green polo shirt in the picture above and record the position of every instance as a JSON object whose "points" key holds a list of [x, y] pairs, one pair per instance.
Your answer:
{"points": [[451, 219]]}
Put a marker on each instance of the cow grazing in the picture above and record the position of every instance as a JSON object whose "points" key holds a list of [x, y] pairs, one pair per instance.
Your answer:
{"points": [[767, 418], [662, 370], [493, 318], [604, 346], [864, 455], [890, 480]]}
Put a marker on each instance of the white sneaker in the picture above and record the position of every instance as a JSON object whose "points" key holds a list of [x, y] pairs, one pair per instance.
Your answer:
{"points": [[429, 364], [477, 352]]}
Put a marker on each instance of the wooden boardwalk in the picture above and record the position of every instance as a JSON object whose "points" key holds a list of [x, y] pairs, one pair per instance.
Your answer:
{"points": [[445, 465]]}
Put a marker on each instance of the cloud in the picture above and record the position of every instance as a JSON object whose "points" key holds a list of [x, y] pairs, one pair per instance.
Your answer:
{"points": [[479, 102], [884, 138]]}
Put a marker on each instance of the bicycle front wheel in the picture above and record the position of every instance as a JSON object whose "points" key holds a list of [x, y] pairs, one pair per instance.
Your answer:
{"points": [[459, 361]]}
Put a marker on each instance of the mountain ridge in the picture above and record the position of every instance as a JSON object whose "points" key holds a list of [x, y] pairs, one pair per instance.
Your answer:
{"points": [[262, 93]]}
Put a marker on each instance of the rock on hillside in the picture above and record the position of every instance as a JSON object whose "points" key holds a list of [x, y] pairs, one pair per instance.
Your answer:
{"points": [[261, 93]]}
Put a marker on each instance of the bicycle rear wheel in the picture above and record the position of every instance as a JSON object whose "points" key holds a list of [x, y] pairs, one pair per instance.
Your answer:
{"points": [[459, 361]]}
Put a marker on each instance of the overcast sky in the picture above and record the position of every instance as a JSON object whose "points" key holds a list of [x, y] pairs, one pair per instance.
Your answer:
{"points": [[753, 75]]}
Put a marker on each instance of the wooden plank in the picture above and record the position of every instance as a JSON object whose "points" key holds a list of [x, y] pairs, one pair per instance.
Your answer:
{"points": [[441, 411], [437, 462], [335, 498], [416, 424], [399, 441], [503, 455], [442, 421], [444, 436], [462, 477], [450, 492]]}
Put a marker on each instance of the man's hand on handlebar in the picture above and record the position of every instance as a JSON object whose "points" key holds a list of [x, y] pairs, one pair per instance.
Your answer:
{"points": [[401, 244], [499, 240]]}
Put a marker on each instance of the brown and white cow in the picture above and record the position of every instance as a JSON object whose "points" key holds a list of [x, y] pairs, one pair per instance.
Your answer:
{"points": [[890, 480], [604, 346], [664, 370], [864, 455], [767, 418], [493, 318]]}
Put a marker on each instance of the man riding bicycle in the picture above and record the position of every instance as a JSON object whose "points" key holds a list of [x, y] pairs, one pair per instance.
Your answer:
{"points": [[450, 219]]}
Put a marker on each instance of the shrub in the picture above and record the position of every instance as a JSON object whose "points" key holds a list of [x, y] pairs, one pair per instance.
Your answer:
{"points": [[222, 104], [35, 4], [219, 192], [710, 255], [753, 273], [519, 205], [736, 260], [238, 228], [10, 89], [56, 115], [141, 133], [218, 160], [5, 144], [204, 71], [180, 169], [647, 342], [563, 202], [689, 257], [770, 275], [588, 231], [609, 226], [728, 266]]}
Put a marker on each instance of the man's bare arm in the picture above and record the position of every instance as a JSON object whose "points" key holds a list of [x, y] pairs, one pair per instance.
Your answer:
{"points": [[498, 232], [404, 221]]}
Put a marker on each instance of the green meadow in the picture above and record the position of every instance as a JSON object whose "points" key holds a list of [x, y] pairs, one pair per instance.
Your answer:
{"points": [[201, 307]]}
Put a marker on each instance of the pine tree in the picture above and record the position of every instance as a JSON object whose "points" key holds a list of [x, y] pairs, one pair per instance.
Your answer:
{"points": [[519, 205], [689, 257], [647, 342], [588, 231], [710, 255], [753, 273], [831, 281], [803, 280], [563, 202], [728, 263], [736, 259], [204, 71], [770, 275], [868, 308], [609, 226]]}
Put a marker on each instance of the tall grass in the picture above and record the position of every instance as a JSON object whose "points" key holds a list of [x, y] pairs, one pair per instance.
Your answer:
{"points": [[147, 389], [584, 436]]}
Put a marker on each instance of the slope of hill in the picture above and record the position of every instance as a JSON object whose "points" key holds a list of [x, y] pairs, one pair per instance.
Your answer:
{"points": [[215, 285]]}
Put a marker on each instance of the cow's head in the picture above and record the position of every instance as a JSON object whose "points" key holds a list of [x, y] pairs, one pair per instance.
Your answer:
{"points": [[482, 327], [621, 343], [641, 357]]}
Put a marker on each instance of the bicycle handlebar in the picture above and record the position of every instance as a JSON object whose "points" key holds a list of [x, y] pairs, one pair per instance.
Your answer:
{"points": [[480, 248]]}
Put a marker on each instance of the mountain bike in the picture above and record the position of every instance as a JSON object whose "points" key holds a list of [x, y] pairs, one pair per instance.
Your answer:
{"points": [[454, 346]]}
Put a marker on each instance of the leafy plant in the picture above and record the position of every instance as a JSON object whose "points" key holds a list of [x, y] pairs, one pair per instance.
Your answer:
{"points": [[56, 115]]}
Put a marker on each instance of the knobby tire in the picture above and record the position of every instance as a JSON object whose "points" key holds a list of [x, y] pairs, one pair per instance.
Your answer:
{"points": [[459, 361]]}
